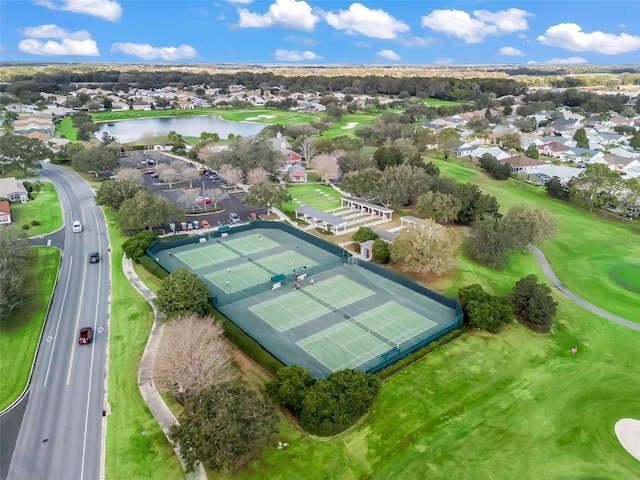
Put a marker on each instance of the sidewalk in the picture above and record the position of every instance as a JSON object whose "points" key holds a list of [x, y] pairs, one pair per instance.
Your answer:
{"points": [[154, 401]]}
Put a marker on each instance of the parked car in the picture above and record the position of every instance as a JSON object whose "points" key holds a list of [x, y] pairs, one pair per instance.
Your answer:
{"points": [[149, 171], [77, 227], [189, 226], [154, 176], [204, 224], [234, 218], [214, 177], [85, 336], [196, 224], [94, 257], [204, 201], [183, 225], [147, 162]]}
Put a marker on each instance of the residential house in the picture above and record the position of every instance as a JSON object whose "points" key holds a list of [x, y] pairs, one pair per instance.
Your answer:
{"points": [[543, 173], [33, 123], [609, 138], [580, 155], [522, 163], [552, 149], [478, 151], [185, 105], [297, 174], [280, 144], [527, 139], [141, 105], [619, 163], [5, 213], [13, 190]]}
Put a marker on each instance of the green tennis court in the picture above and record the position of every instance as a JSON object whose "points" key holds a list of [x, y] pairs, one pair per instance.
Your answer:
{"points": [[344, 345], [289, 310], [339, 291], [205, 256], [394, 322], [249, 244], [239, 277], [286, 262]]}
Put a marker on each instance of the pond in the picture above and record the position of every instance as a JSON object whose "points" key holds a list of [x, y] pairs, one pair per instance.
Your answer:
{"points": [[133, 130]]}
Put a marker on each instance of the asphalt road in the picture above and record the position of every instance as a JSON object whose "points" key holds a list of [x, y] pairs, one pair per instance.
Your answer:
{"points": [[548, 271], [60, 434]]}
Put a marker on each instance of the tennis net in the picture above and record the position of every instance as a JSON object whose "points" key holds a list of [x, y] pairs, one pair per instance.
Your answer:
{"points": [[369, 331], [262, 266], [237, 252], [321, 302]]}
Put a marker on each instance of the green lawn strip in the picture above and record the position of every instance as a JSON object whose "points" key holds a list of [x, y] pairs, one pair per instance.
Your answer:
{"points": [[308, 195], [65, 129], [132, 114], [19, 334], [584, 249], [131, 454], [514, 405], [45, 208], [348, 125], [436, 102]]}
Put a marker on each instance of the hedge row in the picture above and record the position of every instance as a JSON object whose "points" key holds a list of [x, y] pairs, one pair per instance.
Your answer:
{"points": [[152, 267], [417, 355]]}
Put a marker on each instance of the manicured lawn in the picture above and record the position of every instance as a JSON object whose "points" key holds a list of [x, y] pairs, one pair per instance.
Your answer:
{"points": [[130, 114], [348, 125], [436, 102], [325, 199], [585, 248], [65, 129], [267, 116], [130, 454], [45, 208], [19, 334]]}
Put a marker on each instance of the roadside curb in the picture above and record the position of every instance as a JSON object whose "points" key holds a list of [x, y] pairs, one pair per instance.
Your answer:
{"points": [[44, 324], [146, 385]]}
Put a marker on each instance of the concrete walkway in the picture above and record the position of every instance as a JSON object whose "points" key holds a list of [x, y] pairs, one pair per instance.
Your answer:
{"points": [[546, 268], [152, 397]]}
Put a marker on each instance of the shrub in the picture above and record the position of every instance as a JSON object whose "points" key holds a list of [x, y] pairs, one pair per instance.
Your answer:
{"points": [[364, 234], [136, 246], [26, 226], [380, 251], [152, 267], [28, 186], [35, 223]]}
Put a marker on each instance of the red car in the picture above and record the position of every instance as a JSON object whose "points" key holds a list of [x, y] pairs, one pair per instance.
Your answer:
{"points": [[204, 201], [149, 171], [86, 335]]}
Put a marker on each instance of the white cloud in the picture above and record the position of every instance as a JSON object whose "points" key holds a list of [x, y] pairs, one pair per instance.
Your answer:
{"points": [[389, 55], [289, 14], [107, 9], [66, 46], [301, 40], [511, 52], [458, 23], [371, 23], [565, 61], [295, 55], [54, 31], [148, 52], [571, 37]]}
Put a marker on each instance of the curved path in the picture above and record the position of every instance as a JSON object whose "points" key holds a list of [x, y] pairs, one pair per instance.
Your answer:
{"points": [[546, 268]]}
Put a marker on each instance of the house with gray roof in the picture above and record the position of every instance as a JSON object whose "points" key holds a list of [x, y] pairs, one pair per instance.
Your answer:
{"points": [[13, 190]]}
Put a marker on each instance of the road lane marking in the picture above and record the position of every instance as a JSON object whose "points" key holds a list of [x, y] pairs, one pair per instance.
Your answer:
{"points": [[55, 335], [75, 330]]}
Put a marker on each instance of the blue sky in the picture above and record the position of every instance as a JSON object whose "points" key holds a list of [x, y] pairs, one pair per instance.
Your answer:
{"points": [[321, 32]]}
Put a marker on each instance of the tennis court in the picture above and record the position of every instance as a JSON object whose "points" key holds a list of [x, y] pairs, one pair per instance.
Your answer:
{"points": [[307, 303]]}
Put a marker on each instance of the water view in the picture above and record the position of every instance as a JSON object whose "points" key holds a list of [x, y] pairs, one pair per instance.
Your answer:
{"points": [[133, 130]]}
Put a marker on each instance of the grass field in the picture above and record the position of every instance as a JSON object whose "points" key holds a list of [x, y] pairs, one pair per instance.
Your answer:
{"points": [[45, 208], [436, 102], [65, 129], [585, 247], [348, 125], [129, 453], [19, 334], [326, 199], [267, 116]]}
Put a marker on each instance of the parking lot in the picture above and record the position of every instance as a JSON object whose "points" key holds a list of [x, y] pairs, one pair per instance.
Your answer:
{"points": [[177, 193]]}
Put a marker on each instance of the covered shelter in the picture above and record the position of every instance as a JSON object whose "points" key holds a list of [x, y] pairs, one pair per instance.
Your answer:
{"points": [[326, 220], [355, 204]]}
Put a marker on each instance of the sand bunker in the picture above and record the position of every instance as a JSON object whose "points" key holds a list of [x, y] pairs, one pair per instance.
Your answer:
{"points": [[252, 118], [266, 116], [260, 117], [628, 433], [350, 125]]}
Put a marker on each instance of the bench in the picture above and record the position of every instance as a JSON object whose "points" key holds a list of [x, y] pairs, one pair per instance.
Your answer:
{"points": [[276, 286]]}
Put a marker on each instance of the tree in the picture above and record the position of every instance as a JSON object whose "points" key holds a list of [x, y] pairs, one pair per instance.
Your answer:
{"points": [[581, 138], [472, 292], [132, 174], [326, 166], [630, 192], [167, 174], [22, 152], [425, 248], [177, 142], [364, 234], [533, 303], [439, 207], [355, 161], [448, 139], [290, 386], [364, 183], [224, 426], [190, 174], [489, 314], [388, 157], [266, 193], [257, 175], [556, 189], [95, 160], [532, 151], [247, 154], [510, 141], [478, 124], [183, 292], [400, 184], [380, 251], [106, 139], [489, 241], [193, 356], [14, 269], [146, 210], [593, 179], [528, 225], [635, 141], [474, 203], [136, 246], [216, 195], [307, 150], [113, 193], [231, 174]]}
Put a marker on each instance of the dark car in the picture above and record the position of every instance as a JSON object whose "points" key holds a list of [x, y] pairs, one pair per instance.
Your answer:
{"points": [[86, 335], [94, 257]]}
